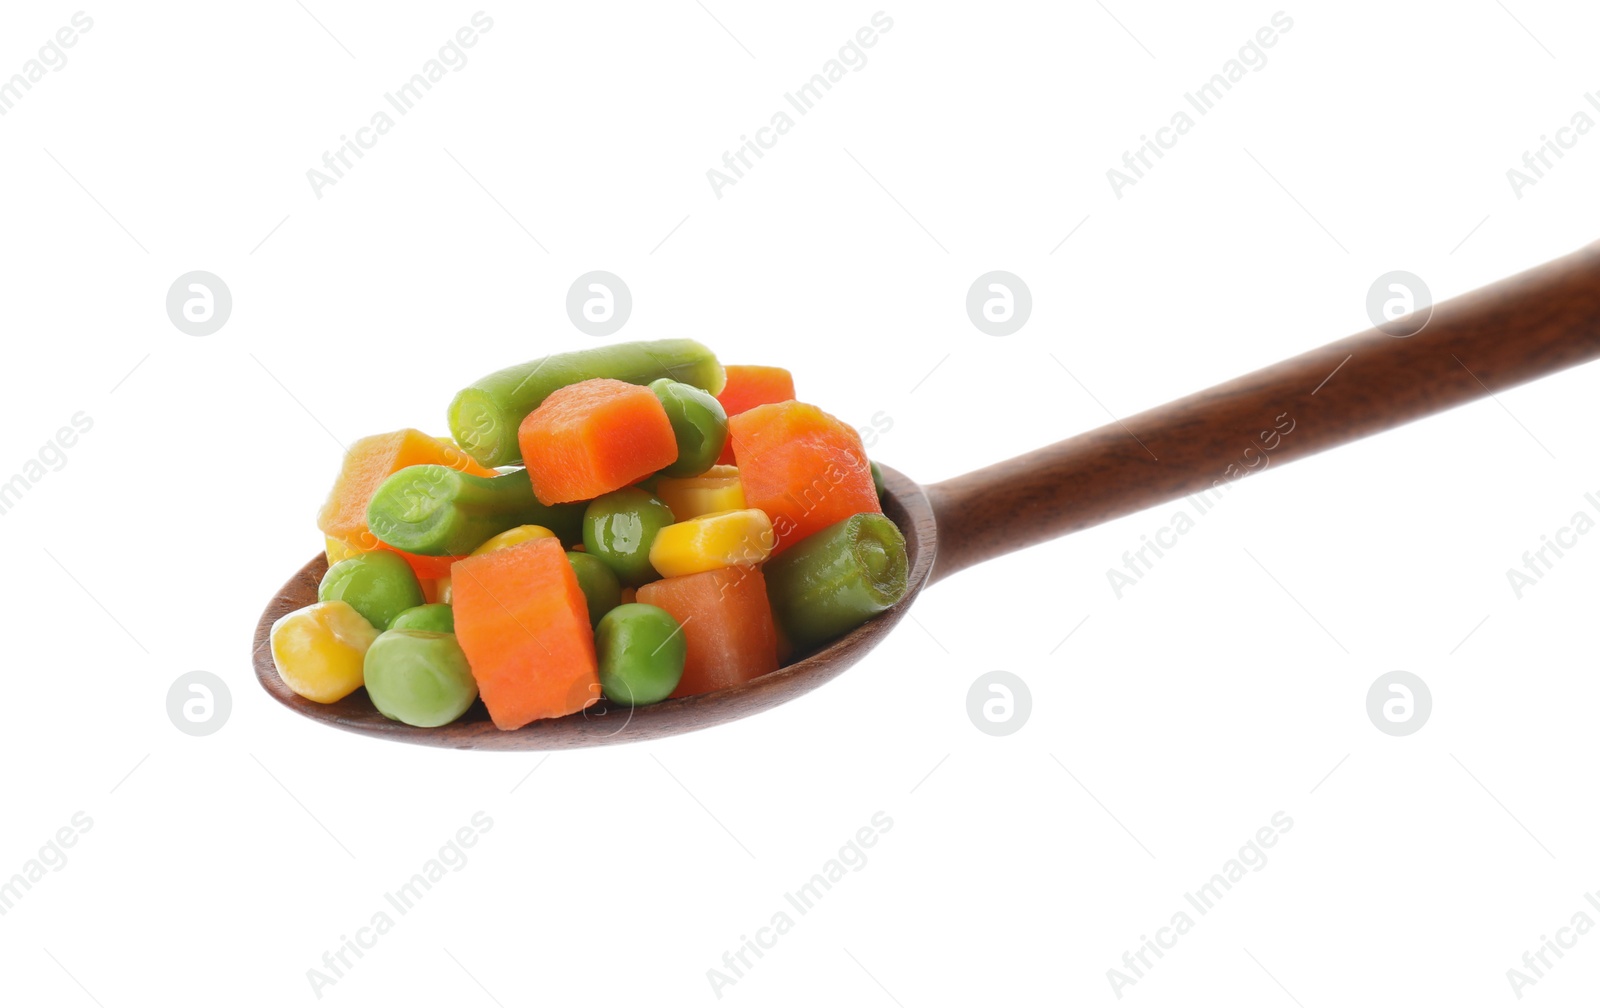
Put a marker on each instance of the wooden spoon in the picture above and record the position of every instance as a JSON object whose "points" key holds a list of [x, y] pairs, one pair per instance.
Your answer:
{"points": [[1510, 332]]}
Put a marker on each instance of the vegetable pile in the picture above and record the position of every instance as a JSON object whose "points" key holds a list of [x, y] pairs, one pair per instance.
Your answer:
{"points": [[635, 521]]}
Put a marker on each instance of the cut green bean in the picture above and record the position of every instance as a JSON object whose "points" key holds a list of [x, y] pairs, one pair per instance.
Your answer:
{"points": [[434, 510], [834, 580], [485, 415]]}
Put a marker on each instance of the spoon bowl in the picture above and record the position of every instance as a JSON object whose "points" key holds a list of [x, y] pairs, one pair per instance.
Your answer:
{"points": [[606, 723], [1525, 327]]}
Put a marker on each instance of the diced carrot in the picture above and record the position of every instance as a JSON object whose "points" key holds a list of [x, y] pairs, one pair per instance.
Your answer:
{"points": [[594, 437], [727, 625], [522, 621], [804, 468], [425, 567], [752, 385], [368, 463], [749, 386]]}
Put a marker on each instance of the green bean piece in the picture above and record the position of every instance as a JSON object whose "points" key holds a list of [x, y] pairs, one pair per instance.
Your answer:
{"points": [[877, 480], [435, 617], [834, 580], [601, 589], [434, 510], [379, 585], [619, 528], [485, 415], [641, 653], [699, 423]]}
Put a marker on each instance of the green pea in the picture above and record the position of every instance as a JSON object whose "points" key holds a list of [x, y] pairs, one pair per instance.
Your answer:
{"points": [[436, 617], [601, 589], [877, 480], [699, 423], [619, 528], [419, 677], [379, 585], [641, 652]]}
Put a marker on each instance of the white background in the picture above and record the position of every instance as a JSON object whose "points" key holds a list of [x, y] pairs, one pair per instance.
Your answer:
{"points": [[1170, 727]]}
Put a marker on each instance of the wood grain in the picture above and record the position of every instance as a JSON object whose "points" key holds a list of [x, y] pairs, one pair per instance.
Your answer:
{"points": [[605, 724], [1492, 339]]}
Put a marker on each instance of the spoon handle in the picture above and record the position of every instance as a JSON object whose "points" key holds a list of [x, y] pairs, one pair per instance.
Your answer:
{"points": [[1486, 341]]}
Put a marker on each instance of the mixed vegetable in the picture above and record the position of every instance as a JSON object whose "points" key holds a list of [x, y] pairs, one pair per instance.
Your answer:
{"points": [[635, 521]]}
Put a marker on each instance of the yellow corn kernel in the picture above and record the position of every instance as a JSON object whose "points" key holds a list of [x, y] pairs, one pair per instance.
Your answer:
{"points": [[319, 650], [719, 539], [338, 550], [716, 489], [441, 590], [514, 537]]}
